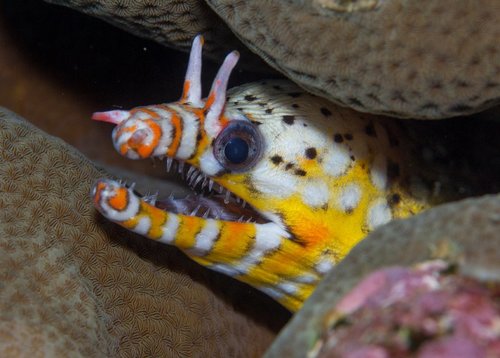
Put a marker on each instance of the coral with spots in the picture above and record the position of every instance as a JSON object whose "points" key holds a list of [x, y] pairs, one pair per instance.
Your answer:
{"points": [[463, 234], [72, 284], [423, 312]]}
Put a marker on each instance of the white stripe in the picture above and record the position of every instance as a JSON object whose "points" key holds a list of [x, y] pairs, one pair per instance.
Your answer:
{"points": [[189, 133], [114, 215], [143, 226], [267, 238], [170, 229], [205, 238]]}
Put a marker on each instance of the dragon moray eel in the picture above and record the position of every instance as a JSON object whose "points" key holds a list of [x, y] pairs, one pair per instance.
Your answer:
{"points": [[288, 182]]}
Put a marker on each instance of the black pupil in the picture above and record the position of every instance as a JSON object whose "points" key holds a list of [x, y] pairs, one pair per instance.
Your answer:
{"points": [[236, 150]]}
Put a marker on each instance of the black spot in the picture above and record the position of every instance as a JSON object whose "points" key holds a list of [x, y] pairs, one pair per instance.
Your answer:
{"points": [[349, 211], [394, 199], [288, 119], [325, 111], [276, 159], [269, 110], [300, 172], [353, 158], [348, 136], [392, 170], [338, 138], [295, 105], [262, 104], [276, 87], [257, 123], [198, 137], [289, 166], [370, 130], [311, 153], [250, 98], [294, 94], [240, 109]]}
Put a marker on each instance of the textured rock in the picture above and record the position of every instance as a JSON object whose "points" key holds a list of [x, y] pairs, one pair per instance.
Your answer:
{"points": [[464, 233], [72, 284], [426, 59]]}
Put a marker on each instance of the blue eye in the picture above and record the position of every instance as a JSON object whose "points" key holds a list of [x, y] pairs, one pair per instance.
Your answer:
{"points": [[236, 150], [239, 146]]}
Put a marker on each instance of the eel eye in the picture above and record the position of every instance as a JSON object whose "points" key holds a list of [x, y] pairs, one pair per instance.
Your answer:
{"points": [[239, 146]]}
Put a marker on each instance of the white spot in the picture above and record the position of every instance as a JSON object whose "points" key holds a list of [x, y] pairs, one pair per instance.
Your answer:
{"points": [[208, 164], [316, 193], [378, 172], [143, 226], [306, 278], [274, 218], [272, 292], [288, 288], [205, 238], [349, 197], [170, 229], [324, 266], [336, 161], [378, 214], [273, 182]]}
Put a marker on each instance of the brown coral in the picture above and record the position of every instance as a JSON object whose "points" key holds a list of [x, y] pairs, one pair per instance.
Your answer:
{"points": [[73, 284], [427, 59]]}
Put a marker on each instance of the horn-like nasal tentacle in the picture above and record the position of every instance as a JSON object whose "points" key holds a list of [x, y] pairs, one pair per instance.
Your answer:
{"points": [[216, 101], [192, 83]]}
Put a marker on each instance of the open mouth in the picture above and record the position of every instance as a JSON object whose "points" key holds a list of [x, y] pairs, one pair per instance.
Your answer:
{"points": [[209, 200]]}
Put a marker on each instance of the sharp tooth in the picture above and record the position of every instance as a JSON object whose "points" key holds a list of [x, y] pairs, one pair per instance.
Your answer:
{"points": [[193, 179], [206, 213], [243, 203], [180, 167], [132, 186], [210, 184], [241, 219], [204, 182], [249, 220], [171, 196], [220, 189], [195, 210], [190, 172], [200, 177], [169, 163], [226, 197]]}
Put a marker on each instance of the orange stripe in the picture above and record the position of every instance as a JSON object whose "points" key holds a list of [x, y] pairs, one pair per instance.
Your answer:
{"points": [[187, 85], [176, 141]]}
